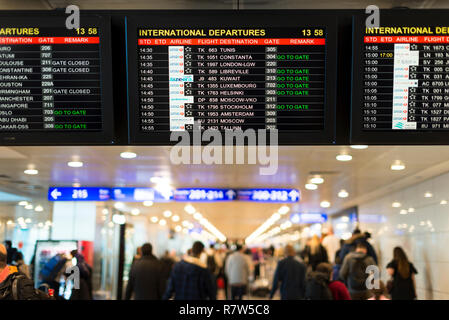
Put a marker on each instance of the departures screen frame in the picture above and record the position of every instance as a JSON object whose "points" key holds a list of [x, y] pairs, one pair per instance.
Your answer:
{"points": [[54, 19], [390, 18], [233, 19]]}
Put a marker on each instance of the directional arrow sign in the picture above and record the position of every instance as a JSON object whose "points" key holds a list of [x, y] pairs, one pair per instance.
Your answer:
{"points": [[55, 194], [78, 194]]}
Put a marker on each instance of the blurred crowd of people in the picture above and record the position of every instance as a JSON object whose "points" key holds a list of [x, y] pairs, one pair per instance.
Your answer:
{"points": [[327, 268]]}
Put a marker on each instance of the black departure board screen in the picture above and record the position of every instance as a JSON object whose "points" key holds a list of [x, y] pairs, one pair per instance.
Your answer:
{"points": [[54, 81], [401, 80], [232, 72]]}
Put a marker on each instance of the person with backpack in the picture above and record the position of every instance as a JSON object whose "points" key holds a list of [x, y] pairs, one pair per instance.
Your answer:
{"points": [[351, 243], [52, 272], [337, 288], [20, 264], [85, 271], [317, 285], [353, 271], [14, 285]]}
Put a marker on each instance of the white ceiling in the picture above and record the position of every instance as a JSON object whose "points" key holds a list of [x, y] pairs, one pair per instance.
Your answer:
{"points": [[367, 176]]}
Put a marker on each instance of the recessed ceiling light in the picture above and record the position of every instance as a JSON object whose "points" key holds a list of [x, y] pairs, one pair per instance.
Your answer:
{"points": [[344, 157], [443, 202], [175, 218], [39, 208], [135, 212], [148, 203], [119, 205], [154, 219], [29, 207], [162, 222], [396, 204], [428, 195], [397, 166], [31, 171], [189, 209], [167, 213], [284, 209], [119, 219], [23, 203], [128, 155], [75, 164], [105, 211], [178, 228], [325, 204], [76, 184], [343, 194], [403, 211], [316, 180], [411, 210], [359, 146], [311, 186], [197, 216]]}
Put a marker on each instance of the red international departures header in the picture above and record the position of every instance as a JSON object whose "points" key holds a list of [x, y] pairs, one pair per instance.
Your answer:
{"points": [[229, 41], [406, 39], [49, 40]]}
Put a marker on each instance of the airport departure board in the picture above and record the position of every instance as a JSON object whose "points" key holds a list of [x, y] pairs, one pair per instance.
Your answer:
{"points": [[54, 81], [232, 77], [401, 81]]}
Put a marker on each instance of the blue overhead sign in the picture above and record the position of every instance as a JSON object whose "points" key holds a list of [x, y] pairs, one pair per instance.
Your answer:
{"points": [[139, 195], [79, 194], [204, 194], [269, 195], [308, 218]]}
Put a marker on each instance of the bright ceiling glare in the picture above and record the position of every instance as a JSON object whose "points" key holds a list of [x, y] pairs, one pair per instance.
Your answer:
{"points": [[284, 209], [344, 157], [411, 210], [343, 194], [397, 166], [148, 203], [325, 204], [29, 207], [119, 205], [197, 216], [443, 202], [39, 208], [135, 212], [167, 213], [428, 195], [128, 155], [403, 211], [31, 171], [119, 219], [162, 222], [154, 219], [189, 209], [396, 204], [311, 186], [317, 180], [178, 228], [75, 164], [175, 218], [359, 147], [23, 203]]}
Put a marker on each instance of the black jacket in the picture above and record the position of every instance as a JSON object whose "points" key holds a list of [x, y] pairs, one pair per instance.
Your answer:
{"points": [[292, 275], [145, 280]]}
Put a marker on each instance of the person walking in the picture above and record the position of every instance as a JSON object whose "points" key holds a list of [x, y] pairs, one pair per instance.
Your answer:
{"points": [[350, 244], [337, 288], [291, 273], [332, 244], [145, 278], [402, 286], [190, 279], [237, 271], [353, 271], [314, 253]]}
